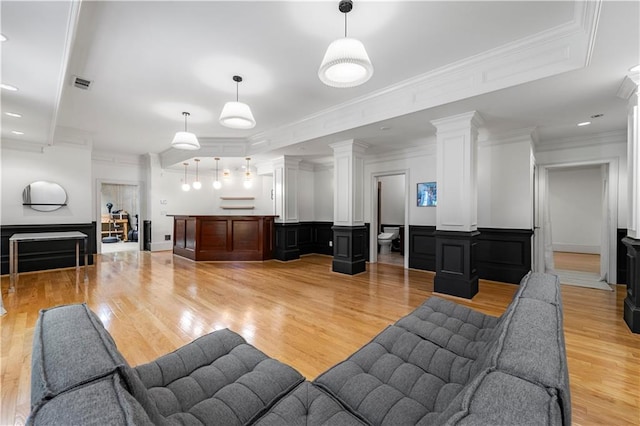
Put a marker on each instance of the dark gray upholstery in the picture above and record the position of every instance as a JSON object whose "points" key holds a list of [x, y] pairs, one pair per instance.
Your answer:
{"points": [[216, 376], [308, 405], [455, 327], [442, 364], [58, 363], [99, 402]]}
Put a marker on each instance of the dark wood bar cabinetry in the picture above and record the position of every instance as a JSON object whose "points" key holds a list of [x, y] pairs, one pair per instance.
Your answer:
{"points": [[223, 238]]}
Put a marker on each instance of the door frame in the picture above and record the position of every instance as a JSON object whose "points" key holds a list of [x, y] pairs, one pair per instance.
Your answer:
{"points": [[542, 199], [98, 208], [373, 234]]}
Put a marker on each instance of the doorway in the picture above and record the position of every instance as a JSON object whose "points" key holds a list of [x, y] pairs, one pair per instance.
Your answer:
{"points": [[389, 219], [577, 216], [119, 214]]}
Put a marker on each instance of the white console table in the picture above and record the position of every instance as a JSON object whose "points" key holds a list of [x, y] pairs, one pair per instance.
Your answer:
{"points": [[15, 239]]}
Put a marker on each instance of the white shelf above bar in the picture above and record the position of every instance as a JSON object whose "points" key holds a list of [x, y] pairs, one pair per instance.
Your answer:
{"points": [[237, 198], [237, 207]]}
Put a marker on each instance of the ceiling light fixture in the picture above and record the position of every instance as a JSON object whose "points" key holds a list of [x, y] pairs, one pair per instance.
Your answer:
{"points": [[196, 183], [247, 175], [346, 63], [237, 115], [8, 87], [185, 140], [216, 183], [584, 123], [185, 184], [635, 68], [13, 114], [15, 132], [3, 37]]}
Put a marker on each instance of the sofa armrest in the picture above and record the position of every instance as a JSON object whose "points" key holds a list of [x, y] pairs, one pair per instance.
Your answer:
{"points": [[70, 347]]}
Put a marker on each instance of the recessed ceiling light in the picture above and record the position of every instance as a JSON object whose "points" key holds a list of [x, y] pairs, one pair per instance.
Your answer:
{"points": [[3, 37], [385, 128], [13, 114], [584, 123], [8, 87], [15, 132], [635, 69]]}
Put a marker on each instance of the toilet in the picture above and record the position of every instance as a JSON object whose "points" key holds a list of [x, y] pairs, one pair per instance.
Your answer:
{"points": [[389, 233]]}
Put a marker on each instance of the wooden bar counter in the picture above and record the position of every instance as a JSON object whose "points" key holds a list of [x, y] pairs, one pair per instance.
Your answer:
{"points": [[223, 238]]}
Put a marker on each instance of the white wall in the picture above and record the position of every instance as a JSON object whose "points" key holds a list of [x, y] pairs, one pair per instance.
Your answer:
{"points": [[505, 197], [69, 167], [306, 195], [575, 197], [323, 195], [421, 163], [392, 200]]}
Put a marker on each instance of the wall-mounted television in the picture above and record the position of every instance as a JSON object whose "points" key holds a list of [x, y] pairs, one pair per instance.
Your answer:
{"points": [[427, 194]]}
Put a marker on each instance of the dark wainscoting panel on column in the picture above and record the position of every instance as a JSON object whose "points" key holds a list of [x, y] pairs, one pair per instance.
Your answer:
{"points": [[422, 247], [621, 262], [42, 255], [349, 249], [287, 240], [315, 237], [632, 301], [504, 254], [456, 268]]}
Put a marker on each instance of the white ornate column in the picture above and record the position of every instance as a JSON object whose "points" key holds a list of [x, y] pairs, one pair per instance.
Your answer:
{"points": [[629, 90], [285, 194], [457, 209], [349, 231]]}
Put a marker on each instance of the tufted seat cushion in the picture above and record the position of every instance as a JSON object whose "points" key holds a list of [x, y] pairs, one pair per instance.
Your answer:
{"points": [[308, 405], [216, 379], [449, 325], [397, 378]]}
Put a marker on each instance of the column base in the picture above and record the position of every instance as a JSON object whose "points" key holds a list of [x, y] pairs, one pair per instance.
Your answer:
{"points": [[632, 301], [349, 249], [456, 271], [286, 247], [632, 316]]}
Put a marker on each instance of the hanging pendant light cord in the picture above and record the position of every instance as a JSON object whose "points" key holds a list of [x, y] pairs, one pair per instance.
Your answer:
{"points": [[237, 84], [345, 25]]}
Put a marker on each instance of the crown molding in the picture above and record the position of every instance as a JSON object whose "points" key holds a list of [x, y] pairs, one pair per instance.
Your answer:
{"points": [[613, 137], [550, 52], [118, 159], [16, 145], [628, 87], [70, 36], [508, 137], [209, 147]]}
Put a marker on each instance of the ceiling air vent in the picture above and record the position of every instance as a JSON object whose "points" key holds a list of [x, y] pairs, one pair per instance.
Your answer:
{"points": [[81, 83]]}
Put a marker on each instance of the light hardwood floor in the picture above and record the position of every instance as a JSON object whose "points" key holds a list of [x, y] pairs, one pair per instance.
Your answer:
{"points": [[577, 261], [300, 313]]}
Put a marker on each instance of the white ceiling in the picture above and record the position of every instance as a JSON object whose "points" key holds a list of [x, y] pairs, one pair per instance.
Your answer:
{"points": [[151, 60]]}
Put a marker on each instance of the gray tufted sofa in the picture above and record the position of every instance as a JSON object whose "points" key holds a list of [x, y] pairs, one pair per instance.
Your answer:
{"points": [[443, 364]]}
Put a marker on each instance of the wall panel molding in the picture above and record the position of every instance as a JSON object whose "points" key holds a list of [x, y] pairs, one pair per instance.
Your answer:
{"points": [[43, 255]]}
